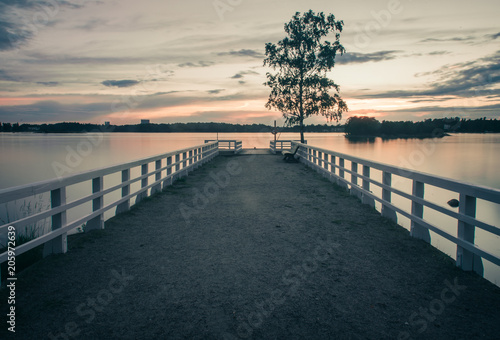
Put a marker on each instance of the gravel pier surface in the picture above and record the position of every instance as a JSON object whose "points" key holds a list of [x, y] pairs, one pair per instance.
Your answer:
{"points": [[251, 247]]}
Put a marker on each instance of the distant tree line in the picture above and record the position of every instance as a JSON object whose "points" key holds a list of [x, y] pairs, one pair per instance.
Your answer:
{"points": [[355, 126], [371, 127], [67, 127]]}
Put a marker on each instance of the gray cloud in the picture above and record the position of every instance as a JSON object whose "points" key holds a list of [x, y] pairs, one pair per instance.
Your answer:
{"points": [[492, 36], [438, 53], [264, 117], [470, 39], [242, 74], [47, 59], [358, 58], [216, 91], [20, 20], [437, 99], [457, 111], [199, 64], [429, 112], [53, 111], [120, 83], [243, 53], [450, 39], [466, 79], [6, 76], [186, 98], [48, 83], [11, 36], [92, 25]]}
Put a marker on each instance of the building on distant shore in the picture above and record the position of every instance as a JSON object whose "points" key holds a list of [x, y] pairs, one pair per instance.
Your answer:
{"points": [[145, 121], [106, 124]]}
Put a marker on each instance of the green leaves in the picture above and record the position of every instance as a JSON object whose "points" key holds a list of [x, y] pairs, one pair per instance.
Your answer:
{"points": [[300, 88]]}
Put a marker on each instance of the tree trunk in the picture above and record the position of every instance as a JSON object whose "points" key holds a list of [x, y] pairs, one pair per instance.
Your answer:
{"points": [[301, 103], [302, 129]]}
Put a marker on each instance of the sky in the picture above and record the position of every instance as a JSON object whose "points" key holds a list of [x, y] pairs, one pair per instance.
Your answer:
{"points": [[202, 60]]}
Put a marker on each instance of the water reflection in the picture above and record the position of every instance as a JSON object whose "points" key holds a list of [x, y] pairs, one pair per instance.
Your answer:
{"points": [[360, 139]]}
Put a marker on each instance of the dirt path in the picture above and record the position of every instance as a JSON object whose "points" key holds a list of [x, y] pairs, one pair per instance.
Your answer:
{"points": [[251, 247]]}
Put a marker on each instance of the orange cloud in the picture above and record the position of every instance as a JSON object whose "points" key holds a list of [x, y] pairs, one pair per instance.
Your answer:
{"points": [[366, 113], [232, 111]]}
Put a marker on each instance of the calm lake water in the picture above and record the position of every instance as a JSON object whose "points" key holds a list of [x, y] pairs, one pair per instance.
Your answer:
{"points": [[473, 158]]}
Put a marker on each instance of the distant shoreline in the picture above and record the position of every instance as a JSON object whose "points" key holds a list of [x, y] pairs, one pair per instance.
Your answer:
{"points": [[354, 128], [401, 136], [66, 127]]}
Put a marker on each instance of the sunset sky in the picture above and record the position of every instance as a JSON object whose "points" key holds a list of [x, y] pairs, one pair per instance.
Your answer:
{"points": [[201, 60]]}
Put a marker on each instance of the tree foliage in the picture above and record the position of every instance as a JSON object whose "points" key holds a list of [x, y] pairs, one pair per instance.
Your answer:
{"points": [[300, 88], [356, 126], [370, 127]]}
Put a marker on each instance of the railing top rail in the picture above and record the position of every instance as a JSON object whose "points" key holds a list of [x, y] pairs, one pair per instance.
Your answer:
{"points": [[223, 140], [482, 192], [21, 191]]}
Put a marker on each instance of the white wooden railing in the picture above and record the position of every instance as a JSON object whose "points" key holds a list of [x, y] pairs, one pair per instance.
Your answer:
{"points": [[228, 145], [280, 145], [167, 168], [468, 255]]}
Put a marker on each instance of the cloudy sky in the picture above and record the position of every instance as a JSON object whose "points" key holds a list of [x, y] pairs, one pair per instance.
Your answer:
{"points": [[201, 60]]}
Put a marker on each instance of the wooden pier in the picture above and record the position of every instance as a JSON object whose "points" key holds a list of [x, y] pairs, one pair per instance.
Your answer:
{"points": [[245, 246]]}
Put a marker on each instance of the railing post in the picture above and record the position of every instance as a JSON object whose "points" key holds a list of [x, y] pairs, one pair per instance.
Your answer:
{"points": [[144, 183], [168, 180], [184, 164], [97, 203], [341, 179], [366, 187], [341, 167], [325, 161], [177, 166], [333, 176], [59, 244], [417, 210], [354, 169], [386, 196], [354, 181], [466, 259], [191, 158], [157, 187], [124, 206], [195, 159]]}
